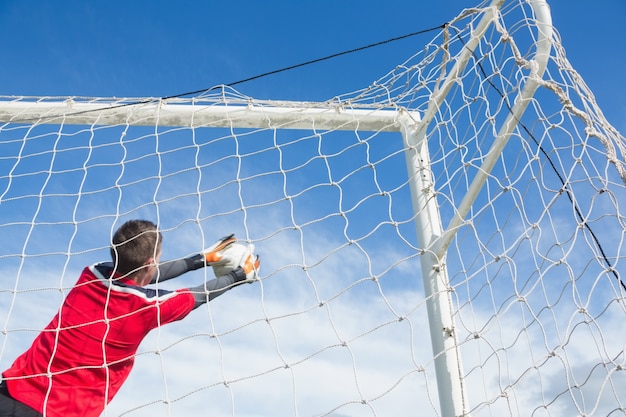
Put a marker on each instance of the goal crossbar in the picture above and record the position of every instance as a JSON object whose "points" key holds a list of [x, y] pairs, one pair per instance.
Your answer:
{"points": [[287, 115]]}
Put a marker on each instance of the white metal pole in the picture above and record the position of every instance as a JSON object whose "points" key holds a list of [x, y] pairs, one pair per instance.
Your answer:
{"points": [[430, 233], [461, 61], [538, 66], [290, 115], [452, 396]]}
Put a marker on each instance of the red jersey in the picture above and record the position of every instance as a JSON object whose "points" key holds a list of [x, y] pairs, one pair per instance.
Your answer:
{"points": [[81, 359]]}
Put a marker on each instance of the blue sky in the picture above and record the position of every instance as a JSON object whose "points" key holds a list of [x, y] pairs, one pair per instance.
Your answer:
{"points": [[157, 48], [160, 48]]}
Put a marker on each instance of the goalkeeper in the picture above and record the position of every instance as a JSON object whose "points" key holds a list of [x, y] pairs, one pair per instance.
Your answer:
{"points": [[78, 363]]}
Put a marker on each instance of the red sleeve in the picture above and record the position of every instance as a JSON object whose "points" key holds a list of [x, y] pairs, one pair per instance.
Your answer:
{"points": [[176, 307]]}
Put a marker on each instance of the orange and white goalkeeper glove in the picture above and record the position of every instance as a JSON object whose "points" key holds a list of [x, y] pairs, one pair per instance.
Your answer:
{"points": [[237, 255], [251, 265], [214, 254]]}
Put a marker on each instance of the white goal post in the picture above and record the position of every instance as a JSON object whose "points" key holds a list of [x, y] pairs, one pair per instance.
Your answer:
{"points": [[482, 164]]}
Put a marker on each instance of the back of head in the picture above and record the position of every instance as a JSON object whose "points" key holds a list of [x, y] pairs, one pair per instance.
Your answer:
{"points": [[134, 243]]}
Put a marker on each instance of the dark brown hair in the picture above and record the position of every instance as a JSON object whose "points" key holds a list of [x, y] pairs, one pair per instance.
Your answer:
{"points": [[133, 244]]}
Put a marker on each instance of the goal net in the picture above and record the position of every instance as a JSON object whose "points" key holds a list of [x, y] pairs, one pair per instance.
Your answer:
{"points": [[446, 241]]}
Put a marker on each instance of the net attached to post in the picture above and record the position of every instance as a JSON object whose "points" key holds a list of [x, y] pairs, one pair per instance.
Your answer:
{"points": [[337, 324]]}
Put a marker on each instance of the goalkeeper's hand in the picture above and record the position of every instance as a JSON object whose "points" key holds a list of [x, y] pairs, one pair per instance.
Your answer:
{"points": [[236, 256], [214, 254], [251, 266]]}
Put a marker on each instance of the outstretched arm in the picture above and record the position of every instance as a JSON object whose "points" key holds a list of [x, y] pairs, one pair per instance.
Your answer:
{"points": [[172, 269], [245, 272], [213, 254], [204, 293]]}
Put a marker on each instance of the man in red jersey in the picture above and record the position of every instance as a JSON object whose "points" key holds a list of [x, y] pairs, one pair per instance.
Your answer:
{"points": [[78, 363]]}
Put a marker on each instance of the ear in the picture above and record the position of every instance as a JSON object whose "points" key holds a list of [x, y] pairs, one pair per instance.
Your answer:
{"points": [[144, 275]]}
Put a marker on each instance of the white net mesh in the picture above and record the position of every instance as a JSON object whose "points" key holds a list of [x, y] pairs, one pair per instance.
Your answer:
{"points": [[338, 324]]}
